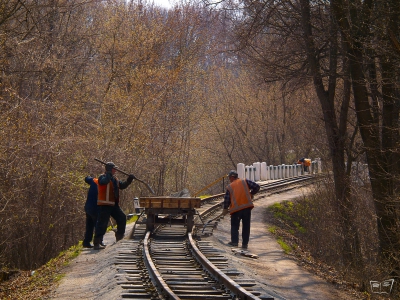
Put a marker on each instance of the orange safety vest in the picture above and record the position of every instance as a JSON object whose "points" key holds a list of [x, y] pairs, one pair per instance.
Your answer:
{"points": [[307, 162], [106, 193], [240, 196]]}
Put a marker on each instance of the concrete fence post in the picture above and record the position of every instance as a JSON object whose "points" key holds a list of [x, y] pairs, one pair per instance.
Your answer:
{"points": [[252, 173], [247, 172], [241, 170], [264, 170], [257, 171]]}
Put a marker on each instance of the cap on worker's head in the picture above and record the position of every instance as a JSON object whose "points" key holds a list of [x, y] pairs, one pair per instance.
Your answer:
{"points": [[111, 164], [233, 173]]}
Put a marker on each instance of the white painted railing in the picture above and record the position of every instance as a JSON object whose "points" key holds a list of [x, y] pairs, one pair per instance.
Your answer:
{"points": [[262, 172]]}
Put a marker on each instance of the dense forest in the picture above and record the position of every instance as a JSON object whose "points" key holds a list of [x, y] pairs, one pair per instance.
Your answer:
{"points": [[179, 96]]}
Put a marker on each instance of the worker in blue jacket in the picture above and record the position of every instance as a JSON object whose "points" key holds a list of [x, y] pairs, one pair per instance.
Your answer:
{"points": [[91, 211]]}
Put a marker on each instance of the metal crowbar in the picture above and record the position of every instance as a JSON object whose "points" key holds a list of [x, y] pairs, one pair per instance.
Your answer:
{"points": [[148, 186], [212, 220]]}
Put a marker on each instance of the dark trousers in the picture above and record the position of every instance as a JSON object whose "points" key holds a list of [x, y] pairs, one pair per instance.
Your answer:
{"points": [[91, 220], [245, 216], [105, 212]]}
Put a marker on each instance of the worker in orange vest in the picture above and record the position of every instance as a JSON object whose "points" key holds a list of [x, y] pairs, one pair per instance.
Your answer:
{"points": [[108, 203], [305, 162], [239, 198]]}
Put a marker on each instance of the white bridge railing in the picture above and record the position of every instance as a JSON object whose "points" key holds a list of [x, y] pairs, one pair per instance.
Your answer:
{"points": [[262, 172]]}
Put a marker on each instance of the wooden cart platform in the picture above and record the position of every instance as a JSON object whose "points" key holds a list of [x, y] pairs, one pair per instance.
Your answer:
{"points": [[169, 202], [176, 210]]}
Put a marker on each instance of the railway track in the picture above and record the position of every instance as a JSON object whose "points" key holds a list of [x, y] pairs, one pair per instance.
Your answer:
{"points": [[171, 263]]}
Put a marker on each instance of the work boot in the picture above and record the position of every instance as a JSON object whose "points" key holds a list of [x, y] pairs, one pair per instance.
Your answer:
{"points": [[87, 245], [98, 247]]}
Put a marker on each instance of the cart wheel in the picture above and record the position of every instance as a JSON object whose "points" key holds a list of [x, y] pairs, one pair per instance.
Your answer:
{"points": [[190, 222], [150, 222]]}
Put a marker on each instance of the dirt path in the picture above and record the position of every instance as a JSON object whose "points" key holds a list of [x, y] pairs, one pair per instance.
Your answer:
{"points": [[92, 275]]}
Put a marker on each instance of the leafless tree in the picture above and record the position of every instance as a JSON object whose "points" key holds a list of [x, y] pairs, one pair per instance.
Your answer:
{"points": [[370, 32]]}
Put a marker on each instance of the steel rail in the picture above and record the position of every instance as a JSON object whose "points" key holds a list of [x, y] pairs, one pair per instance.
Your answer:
{"points": [[154, 274], [218, 274]]}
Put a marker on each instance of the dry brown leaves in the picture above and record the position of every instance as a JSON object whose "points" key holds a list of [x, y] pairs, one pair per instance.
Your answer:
{"points": [[36, 284], [327, 272]]}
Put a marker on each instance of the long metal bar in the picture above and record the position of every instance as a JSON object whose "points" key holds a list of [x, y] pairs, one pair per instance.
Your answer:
{"points": [[211, 184], [148, 186]]}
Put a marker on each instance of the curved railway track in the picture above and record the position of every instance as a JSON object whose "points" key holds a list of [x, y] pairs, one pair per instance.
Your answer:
{"points": [[170, 263]]}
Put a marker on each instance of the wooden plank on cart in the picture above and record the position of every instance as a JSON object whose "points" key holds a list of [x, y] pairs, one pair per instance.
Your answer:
{"points": [[170, 202]]}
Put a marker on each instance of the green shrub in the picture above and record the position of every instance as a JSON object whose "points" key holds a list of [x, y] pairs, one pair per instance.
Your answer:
{"points": [[272, 229], [286, 248]]}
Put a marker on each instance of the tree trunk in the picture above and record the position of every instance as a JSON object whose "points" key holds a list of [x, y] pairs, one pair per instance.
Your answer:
{"points": [[335, 133], [380, 144]]}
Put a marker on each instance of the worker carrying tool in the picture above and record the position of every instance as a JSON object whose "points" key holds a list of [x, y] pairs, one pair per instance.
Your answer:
{"points": [[108, 202], [239, 198], [305, 162]]}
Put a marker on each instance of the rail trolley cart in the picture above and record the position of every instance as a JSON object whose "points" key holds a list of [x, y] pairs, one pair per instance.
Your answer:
{"points": [[168, 210]]}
